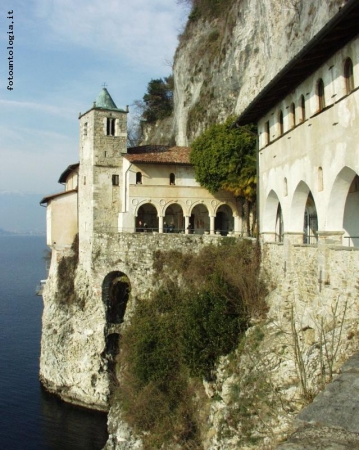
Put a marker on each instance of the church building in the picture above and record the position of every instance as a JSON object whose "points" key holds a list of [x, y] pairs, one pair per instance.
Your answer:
{"points": [[116, 189]]}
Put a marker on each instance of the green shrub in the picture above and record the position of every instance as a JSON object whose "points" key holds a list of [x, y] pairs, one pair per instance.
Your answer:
{"points": [[200, 313], [211, 326], [66, 271]]}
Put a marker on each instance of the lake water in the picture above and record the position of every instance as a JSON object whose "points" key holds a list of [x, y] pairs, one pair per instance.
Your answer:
{"points": [[32, 419]]}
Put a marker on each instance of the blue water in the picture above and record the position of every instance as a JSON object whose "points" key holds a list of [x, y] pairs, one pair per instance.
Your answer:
{"points": [[32, 419]]}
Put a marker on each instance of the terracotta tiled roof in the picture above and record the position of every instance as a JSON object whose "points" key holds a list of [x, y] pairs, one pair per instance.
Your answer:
{"points": [[158, 154]]}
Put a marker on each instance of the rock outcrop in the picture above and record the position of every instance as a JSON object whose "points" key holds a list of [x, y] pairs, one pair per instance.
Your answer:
{"points": [[222, 63], [332, 420]]}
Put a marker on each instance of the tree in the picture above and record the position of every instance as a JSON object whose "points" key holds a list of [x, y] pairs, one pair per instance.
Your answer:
{"points": [[134, 132], [224, 157], [158, 99]]}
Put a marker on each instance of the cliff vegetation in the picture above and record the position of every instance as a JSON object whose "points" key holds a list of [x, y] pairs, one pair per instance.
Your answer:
{"points": [[201, 311]]}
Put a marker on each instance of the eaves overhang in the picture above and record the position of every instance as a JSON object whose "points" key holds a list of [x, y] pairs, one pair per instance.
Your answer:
{"points": [[48, 198], [341, 29], [71, 168]]}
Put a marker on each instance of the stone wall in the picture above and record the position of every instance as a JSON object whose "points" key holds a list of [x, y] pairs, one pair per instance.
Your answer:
{"points": [[74, 359]]}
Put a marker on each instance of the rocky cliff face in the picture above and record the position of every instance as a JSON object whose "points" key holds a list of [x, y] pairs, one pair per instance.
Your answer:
{"points": [[72, 339], [221, 64]]}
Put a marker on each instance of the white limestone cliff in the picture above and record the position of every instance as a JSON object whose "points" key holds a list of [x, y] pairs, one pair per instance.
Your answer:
{"points": [[222, 64]]}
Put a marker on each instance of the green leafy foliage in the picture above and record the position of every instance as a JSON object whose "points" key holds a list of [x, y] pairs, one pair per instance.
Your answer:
{"points": [[224, 158], [199, 313], [153, 357], [159, 99], [66, 271], [211, 326]]}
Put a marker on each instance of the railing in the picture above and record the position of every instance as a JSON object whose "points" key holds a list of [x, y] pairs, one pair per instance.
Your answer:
{"points": [[169, 230], [310, 239], [350, 239], [278, 237], [156, 230]]}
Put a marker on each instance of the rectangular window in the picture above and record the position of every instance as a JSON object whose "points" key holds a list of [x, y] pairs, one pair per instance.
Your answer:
{"points": [[85, 129], [266, 133], [115, 180], [110, 127]]}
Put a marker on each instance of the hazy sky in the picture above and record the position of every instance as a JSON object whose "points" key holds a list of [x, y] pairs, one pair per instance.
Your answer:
{"points": [[64, 50]]}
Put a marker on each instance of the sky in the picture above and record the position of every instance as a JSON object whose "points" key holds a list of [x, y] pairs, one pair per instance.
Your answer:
{"points": [[63, 52]]}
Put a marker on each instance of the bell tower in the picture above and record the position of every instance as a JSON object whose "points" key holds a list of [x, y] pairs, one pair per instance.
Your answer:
{"points": [[103, 140]]}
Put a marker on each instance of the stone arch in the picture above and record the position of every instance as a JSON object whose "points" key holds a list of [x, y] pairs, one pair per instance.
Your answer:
{"points": [[338, 198], [343, 207], [303, 214], [147, 217], [174, 218], [116, 290], [298, 207], [270, 211], [351, 214], [224, 220], [272, 218], [200, 217]]}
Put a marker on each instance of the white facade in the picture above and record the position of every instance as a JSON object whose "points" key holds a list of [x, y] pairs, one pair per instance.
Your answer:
{"points": [[309, 157]]}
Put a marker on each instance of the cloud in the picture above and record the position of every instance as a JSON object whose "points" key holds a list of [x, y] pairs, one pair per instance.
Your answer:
{"points": [[40, 107], [141, 31], [24, 168]]}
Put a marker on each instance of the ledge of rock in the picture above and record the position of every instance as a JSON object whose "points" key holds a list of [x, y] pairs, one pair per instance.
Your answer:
{"points": [[331, 422]]}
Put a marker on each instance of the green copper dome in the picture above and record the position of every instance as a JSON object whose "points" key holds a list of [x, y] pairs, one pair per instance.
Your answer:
{"points": [[104, 100]]}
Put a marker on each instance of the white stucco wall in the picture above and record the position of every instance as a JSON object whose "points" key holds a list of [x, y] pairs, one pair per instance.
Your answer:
{"points": [[319, 155]]}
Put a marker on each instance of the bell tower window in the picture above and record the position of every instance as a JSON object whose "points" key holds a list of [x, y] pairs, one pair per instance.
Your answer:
{"points": [[110, 127]]}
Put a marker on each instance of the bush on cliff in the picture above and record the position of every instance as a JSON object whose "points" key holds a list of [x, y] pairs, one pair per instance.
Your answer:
{"points": [[199, 313]]}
